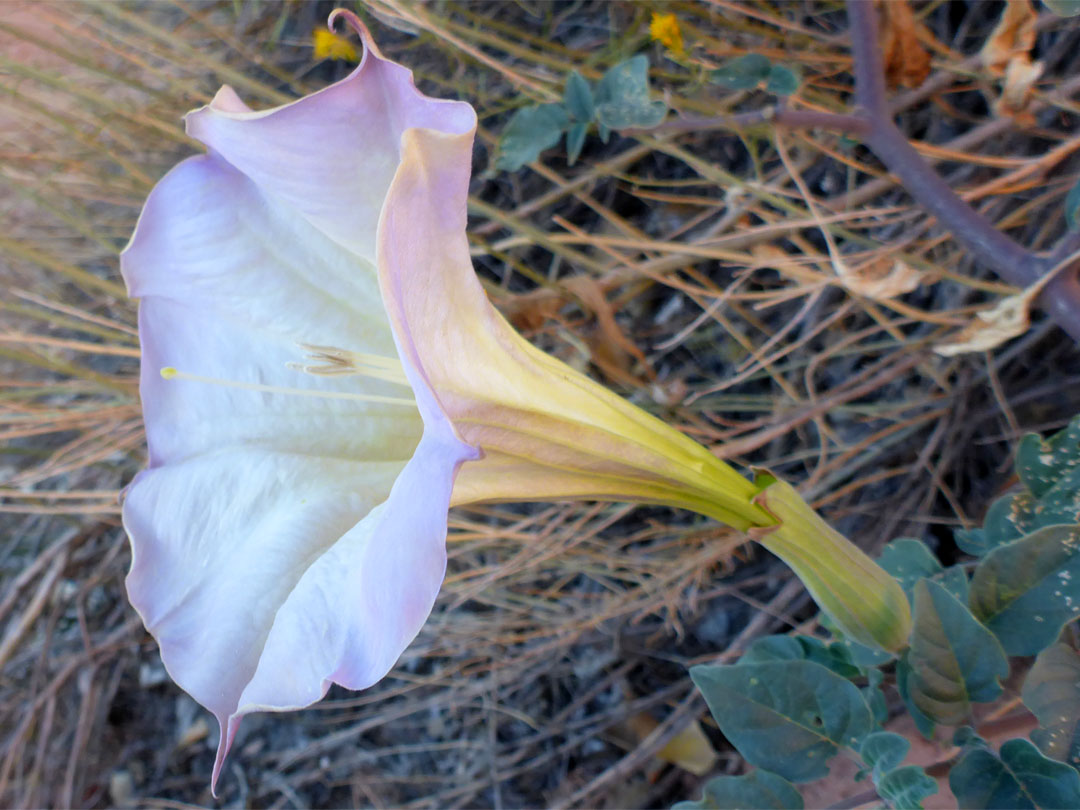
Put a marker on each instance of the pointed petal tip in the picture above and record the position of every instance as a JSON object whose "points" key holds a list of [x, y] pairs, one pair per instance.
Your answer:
{"points": [[228, 732]]}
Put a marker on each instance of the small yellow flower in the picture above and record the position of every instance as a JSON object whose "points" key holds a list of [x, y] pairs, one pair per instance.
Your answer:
{"points": [[664, 29], [329, 45]]}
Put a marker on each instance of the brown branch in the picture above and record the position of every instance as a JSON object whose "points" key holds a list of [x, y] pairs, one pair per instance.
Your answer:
{"points": [[1007, 257], [872, 122]]}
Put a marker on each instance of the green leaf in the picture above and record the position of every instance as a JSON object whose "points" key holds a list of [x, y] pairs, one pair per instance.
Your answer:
{"points": [[909, 560], [967, 737], [578, 99], [860, 654], [622, 97], [1041, 463], [882, 751], [972, 541], [1022, 779], [923, 723], [757, 789], [905, 788], [1027, 590], [530, 131], [1063, 8], [744, 73], [1017, 514], [1052, 692], [863, 656], [1008, 518], [800, 648], [575, 140], [1059, 504], [834, 656], [787, 716], [954, 660], [1049, 470], [875, 698], [782, 81], [773, 648], [1072, 207]]}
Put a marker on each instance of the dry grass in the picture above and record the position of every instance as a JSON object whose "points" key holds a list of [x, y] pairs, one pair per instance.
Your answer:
{"points": [[687, 272]]}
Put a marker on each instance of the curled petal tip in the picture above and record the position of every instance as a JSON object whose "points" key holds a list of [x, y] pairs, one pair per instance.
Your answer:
{"points": [[355, 23]]}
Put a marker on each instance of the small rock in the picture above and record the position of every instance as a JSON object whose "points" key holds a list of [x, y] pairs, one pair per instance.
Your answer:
{"points": [[122, 789]]}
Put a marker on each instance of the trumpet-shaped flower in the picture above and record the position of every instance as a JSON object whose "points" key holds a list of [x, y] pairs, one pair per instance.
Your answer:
{"points": [[323, 377]]}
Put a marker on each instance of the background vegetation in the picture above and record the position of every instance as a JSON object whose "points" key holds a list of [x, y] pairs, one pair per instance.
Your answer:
{"points": [[686, 269]]}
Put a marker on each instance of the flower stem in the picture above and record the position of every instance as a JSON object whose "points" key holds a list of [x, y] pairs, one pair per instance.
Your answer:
{"points": [[865, 602]]}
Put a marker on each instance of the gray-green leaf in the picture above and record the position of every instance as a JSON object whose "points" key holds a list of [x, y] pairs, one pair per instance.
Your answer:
{"points": [[575, 140], [1026, 590], [782, 81], [1052, 692], [1022, 779], [622, 97], [744, 73], [578, 98], [797, 648], [757, 789], [530, 131], [1063, 8], [909, 560], [954, 660], [1041, 463], [882, 751], [905, 788], [787, 716], [924, 724]]}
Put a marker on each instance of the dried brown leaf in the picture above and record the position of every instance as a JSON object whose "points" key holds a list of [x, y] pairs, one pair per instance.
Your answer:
{"points": [[1020, 77], [1009, 318], [1013, 36], [907, 62], [880, 280]]}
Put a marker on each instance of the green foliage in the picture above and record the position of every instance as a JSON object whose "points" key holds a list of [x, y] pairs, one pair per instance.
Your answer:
{"points": [[954, 660], [1052, 692], [860, 654], [909, 560], [530, 132], [924, 724], [1021, 778], [782, 81], [749, 71], [874, 697], [757, 789], [905, 788], [792, 702], [744, 73], [622, 97], [1049, 471], [800, 648], [1063, 8], [1026, 590], [788, 716], [1043, 463], [882, 751], [575, 141], [619, 101], [578, 99]]}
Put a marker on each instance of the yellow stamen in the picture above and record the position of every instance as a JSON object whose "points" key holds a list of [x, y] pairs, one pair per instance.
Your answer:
{"points": [[170, 373]]}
